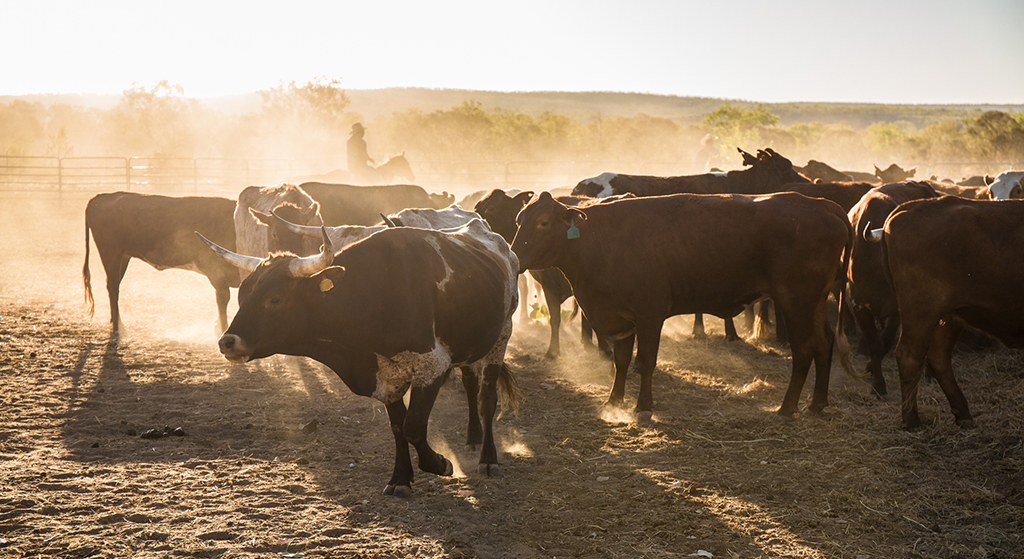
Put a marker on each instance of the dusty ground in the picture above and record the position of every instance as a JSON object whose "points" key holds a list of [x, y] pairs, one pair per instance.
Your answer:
{"points": [[716, 474]]}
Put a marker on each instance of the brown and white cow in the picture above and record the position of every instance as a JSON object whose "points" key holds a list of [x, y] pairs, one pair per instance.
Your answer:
{"points": [[767, 172], [159, 231], [253, 237], [394, 311], [344, 204], [635, 262], [871, 296], [952, 261]]}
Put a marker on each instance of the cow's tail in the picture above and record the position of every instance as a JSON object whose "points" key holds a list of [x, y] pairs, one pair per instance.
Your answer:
{"points": [[86, 276], [510, 393], [575, 310], [842, 343]]}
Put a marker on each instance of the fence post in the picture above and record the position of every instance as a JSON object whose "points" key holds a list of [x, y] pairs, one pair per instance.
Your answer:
{"points": [[60, 180]]}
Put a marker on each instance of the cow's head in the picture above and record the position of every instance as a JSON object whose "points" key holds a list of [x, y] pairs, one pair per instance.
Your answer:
{"points": [[1006, 185], [771, 170], [825, 172], [278, 302], [442, 200], [595, 187], [282, 239], [545, 230], [894, 173], [499, 210]]}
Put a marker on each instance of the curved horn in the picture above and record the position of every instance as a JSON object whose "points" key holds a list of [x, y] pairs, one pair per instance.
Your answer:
{"points": [[873, 235], [309, 265], [247, 263], [306, 230], [387, 221]]}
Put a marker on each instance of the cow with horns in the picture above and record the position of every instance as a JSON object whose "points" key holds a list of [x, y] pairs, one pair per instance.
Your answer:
{"points": [[389, 314]]}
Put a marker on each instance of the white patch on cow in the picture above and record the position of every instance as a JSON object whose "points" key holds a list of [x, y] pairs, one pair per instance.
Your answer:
{"points": [[447, 269], [722, 174], [427, 218], [1004, 184], [396, 374], [605, 181]]}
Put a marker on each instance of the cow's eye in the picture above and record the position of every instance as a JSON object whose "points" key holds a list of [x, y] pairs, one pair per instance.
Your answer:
{"points": [[544, 225], [275, 301]]}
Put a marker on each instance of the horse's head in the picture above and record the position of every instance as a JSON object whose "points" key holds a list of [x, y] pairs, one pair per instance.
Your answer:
{"points": [[398, 165]]}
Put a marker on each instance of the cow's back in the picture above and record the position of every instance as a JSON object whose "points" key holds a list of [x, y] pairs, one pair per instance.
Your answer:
{"points": [[160, 230], [343, 204], [696, 252], [406, 286]]}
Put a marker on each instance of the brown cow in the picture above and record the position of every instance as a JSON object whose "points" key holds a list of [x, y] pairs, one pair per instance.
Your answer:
{"points": [[894, 173], [636, 262], [952, 261], [816, 170], [390, 314], [871, 297], [159, 230], [344, 204], [768, 171]]}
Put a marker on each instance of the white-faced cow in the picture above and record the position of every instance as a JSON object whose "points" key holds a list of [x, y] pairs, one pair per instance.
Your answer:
{"points": [[871, 297], [159, 231], [393, 312], [253, 237], [343, 204], [635, 262], [952, 261], [1007, 185]]}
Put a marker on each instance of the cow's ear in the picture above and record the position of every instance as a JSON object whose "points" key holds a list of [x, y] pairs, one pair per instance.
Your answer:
{"points": [[523, 198], [911, 171], [327, 279], [989, 179], [574, 214], [877, 170], [263, 218], [747, 158]]}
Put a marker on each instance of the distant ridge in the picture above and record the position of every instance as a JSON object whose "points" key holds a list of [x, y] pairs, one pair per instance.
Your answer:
{"points": [[583, 106]]}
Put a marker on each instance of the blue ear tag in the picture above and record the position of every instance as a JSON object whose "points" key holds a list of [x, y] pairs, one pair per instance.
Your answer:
{"points": [[573, 232]]}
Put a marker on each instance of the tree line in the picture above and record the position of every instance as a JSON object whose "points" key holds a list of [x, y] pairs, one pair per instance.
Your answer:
{"points": [[313, 120]]}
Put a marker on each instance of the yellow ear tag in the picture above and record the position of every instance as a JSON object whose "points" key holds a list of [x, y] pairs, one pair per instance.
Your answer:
{"points": [[326, 285]]}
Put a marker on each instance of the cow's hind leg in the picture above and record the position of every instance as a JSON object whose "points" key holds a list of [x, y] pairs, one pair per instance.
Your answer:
{"points": [[401, 478], [698, 326], [471, 384], [875, 346], [115, 266], [223, 293], [940, 358], [555, 320], [488, 465], [807, 327]]}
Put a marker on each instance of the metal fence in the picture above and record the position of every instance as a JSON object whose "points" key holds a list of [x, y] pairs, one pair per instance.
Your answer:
{"points": [[201, 175]]}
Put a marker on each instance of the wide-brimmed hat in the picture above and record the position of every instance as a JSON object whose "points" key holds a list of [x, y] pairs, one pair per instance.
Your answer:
{"points": [[357, 127]]}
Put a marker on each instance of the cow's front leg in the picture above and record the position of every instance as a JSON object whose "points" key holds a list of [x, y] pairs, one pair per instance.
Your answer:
{"points": [[421, 402], [623, 354], [401, 479], [648, 338]]}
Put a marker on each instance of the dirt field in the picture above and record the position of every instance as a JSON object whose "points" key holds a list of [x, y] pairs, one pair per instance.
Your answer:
{"points": [[717, 474]]}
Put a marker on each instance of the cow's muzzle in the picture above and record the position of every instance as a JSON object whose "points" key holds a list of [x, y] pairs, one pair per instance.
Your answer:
{"points": [[233, 348]]}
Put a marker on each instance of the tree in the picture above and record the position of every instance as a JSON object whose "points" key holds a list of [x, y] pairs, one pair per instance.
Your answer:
{"points": [[738, 126], [153, 121]]}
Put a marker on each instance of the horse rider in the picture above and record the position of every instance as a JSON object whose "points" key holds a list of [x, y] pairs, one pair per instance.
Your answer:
{"points": [[360, 165]]}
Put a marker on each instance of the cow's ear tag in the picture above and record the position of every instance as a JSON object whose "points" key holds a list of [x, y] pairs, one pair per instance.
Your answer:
{"points": [[573, 232], [326, 285]]}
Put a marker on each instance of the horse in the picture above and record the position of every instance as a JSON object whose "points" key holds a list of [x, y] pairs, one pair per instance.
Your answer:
{"points": [[395, 166]]}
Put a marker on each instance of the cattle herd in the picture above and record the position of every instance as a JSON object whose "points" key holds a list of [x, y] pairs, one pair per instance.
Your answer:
{"points": [[392, 287]]}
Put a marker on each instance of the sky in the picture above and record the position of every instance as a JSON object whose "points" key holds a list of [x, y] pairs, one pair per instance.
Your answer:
{"points": [[868, 51]]}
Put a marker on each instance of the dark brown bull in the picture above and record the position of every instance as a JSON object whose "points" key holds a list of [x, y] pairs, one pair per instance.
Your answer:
{"points": [[952, 261], [393, 312], [343, 204], [816, 170], [159, 231], [871, 297], [639, 261]]}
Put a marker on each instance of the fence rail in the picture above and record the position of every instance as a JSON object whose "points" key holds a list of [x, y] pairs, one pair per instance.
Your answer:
{"points": [[197, 175]]}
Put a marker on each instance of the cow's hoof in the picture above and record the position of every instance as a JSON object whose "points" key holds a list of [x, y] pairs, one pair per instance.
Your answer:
{"points": [[489, 470], [966, 423], [880, 396], [551, 356], [403, 491], [447, 469], [732, 338], [644, 417]]}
